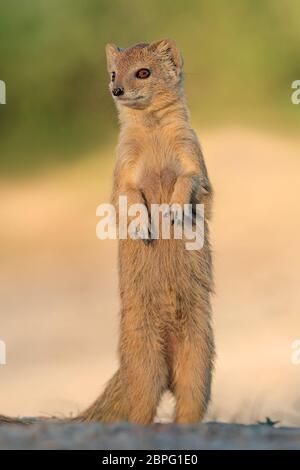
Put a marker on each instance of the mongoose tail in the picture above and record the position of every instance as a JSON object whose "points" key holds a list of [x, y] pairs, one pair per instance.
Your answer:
{"points": [[11, 420], [110, 406]]}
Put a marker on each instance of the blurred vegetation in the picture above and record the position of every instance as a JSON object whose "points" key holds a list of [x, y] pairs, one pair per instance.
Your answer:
{"points": [[240, 60]]}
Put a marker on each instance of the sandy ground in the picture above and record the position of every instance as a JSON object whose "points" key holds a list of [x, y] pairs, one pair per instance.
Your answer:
{"points": [[58, 283], [123, 436]]}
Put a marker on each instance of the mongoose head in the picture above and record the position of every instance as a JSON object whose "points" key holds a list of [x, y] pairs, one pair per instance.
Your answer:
{"points": [[144, 74]]}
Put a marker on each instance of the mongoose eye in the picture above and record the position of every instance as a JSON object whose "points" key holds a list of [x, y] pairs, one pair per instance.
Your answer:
{"points": [[143, 73], [113, 76]]}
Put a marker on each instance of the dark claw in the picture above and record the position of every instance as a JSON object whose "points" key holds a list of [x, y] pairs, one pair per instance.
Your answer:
{"points": [[148, 240]]}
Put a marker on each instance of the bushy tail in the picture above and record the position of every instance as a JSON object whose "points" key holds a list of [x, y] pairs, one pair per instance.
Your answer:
{"points": [[9, 420], [110, 406]]}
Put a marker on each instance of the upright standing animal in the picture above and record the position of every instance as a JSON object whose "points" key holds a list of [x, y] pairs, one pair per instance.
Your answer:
{"points": [[166, 338]]}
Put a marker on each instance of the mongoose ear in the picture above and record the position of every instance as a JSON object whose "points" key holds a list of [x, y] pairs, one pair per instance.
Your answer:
{"points": [[112, 51], [168, 50]]}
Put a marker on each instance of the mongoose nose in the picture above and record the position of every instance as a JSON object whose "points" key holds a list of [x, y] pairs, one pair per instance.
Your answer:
{"points": [[118, 91]]}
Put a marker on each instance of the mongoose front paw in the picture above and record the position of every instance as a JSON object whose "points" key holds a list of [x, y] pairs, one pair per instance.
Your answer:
{"points": [[175, 212], [141, 232], [147, 241]]}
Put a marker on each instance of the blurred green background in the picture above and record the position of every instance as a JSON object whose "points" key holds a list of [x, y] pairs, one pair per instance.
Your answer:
{"points": [[240, 60]]}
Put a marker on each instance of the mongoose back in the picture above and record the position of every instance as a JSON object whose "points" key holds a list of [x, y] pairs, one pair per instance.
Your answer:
{"points": [[166, 338]]}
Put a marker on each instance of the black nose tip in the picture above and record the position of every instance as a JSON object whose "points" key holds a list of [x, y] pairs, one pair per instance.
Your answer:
{"points": [[118, 91]]}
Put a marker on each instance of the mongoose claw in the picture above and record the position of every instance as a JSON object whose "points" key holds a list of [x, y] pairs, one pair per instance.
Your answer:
{"points": [[147, 241], [175, 213], [145, 236], [141, 233]]}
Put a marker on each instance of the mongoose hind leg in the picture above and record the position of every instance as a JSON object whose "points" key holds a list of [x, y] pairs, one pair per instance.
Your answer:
{"points": [[192, 371], [144, 365]]}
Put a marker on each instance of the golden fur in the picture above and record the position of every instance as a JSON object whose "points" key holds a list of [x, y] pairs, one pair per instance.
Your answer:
{"points": [[166, 338]]}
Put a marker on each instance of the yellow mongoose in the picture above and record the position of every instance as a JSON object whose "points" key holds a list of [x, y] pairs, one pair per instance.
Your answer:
{"points": [[166, 339]]}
